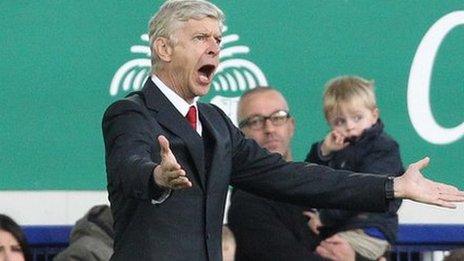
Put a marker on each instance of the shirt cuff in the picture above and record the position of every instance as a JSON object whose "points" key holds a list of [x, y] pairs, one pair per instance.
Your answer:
{"points": [[389, 190], [165, 195], [158, 194]]}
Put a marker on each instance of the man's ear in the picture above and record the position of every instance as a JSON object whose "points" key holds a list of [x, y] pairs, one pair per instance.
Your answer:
{"points": [[163, 49], [376, 113], [292, 125]]}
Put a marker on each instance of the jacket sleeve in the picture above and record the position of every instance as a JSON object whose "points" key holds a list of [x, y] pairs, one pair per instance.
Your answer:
{"points": [[268, 230], [87, 248], [384, 159], [259, 172], [130, 146], [314, 155]]}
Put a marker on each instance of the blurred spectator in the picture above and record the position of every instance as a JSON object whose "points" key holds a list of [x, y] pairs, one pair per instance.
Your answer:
{"points": [[91, 238], [455, 255], [13, 243], [266, 229]]}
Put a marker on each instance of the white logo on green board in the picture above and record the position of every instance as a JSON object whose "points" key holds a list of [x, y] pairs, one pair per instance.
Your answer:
{"points": [[234, 74], [419, 107], [132, 74]]}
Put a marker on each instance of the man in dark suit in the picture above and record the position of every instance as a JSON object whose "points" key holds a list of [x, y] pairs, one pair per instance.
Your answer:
{"points": [[266, 229], [170, 159]]}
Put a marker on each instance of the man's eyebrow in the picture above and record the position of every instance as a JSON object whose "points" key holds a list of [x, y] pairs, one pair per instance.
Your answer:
{"points": [[199, 32], [262, 115], [253, 115]]}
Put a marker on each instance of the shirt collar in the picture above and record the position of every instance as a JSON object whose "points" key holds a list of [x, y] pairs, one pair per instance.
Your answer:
{"points": [[179, 103]]}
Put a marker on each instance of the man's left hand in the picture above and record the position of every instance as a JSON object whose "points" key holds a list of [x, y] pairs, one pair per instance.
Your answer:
{"points": [[412, 185]]}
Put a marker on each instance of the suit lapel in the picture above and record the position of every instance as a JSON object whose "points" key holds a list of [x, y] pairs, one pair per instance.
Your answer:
{"points": [[167, 115], [207, 121]]}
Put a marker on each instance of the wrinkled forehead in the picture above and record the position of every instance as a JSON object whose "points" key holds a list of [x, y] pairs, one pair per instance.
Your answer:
{"points": [[204, 25]]}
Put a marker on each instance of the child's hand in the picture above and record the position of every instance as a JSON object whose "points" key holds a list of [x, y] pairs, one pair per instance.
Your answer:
{"points": [[334, 141], [314, 222]]}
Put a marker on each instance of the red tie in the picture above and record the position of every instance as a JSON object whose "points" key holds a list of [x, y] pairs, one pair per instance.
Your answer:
{"points": [[192, 117]]}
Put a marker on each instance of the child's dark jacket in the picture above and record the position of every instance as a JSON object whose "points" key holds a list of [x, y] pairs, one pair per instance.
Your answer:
{"points": [[374, 152]]}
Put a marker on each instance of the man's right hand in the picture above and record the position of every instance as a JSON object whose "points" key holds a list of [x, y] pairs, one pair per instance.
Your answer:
{"points": [[169, 174]]}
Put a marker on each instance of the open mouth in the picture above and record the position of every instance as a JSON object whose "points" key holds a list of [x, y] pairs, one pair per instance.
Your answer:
{"points": [[206, 73]]}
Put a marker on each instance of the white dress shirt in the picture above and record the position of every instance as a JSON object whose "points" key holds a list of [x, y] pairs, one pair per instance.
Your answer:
{"points": [[181, 105]]}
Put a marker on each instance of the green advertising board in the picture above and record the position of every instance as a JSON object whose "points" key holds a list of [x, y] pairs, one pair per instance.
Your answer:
{"points": [[63, 62]]}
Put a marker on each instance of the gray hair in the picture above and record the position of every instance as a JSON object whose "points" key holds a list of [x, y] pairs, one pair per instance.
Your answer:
{"points": [[170, 17]]}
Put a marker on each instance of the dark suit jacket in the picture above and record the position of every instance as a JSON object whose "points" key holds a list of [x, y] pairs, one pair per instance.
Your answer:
{"points": [[269, 230], [187, 226]]}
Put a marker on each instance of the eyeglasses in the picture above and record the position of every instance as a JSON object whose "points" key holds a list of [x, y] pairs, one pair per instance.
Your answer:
{"points": [[257, 122]]}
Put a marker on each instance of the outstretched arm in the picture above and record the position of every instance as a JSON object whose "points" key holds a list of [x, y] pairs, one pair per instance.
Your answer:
{"points": [[138, 164], [413, 185]]}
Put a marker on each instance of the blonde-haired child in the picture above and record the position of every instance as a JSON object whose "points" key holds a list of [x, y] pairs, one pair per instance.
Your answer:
{"points": [[356, 142]]}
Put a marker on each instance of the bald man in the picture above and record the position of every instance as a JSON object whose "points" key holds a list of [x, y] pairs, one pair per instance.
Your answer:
{"points": [[266, 229]]}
